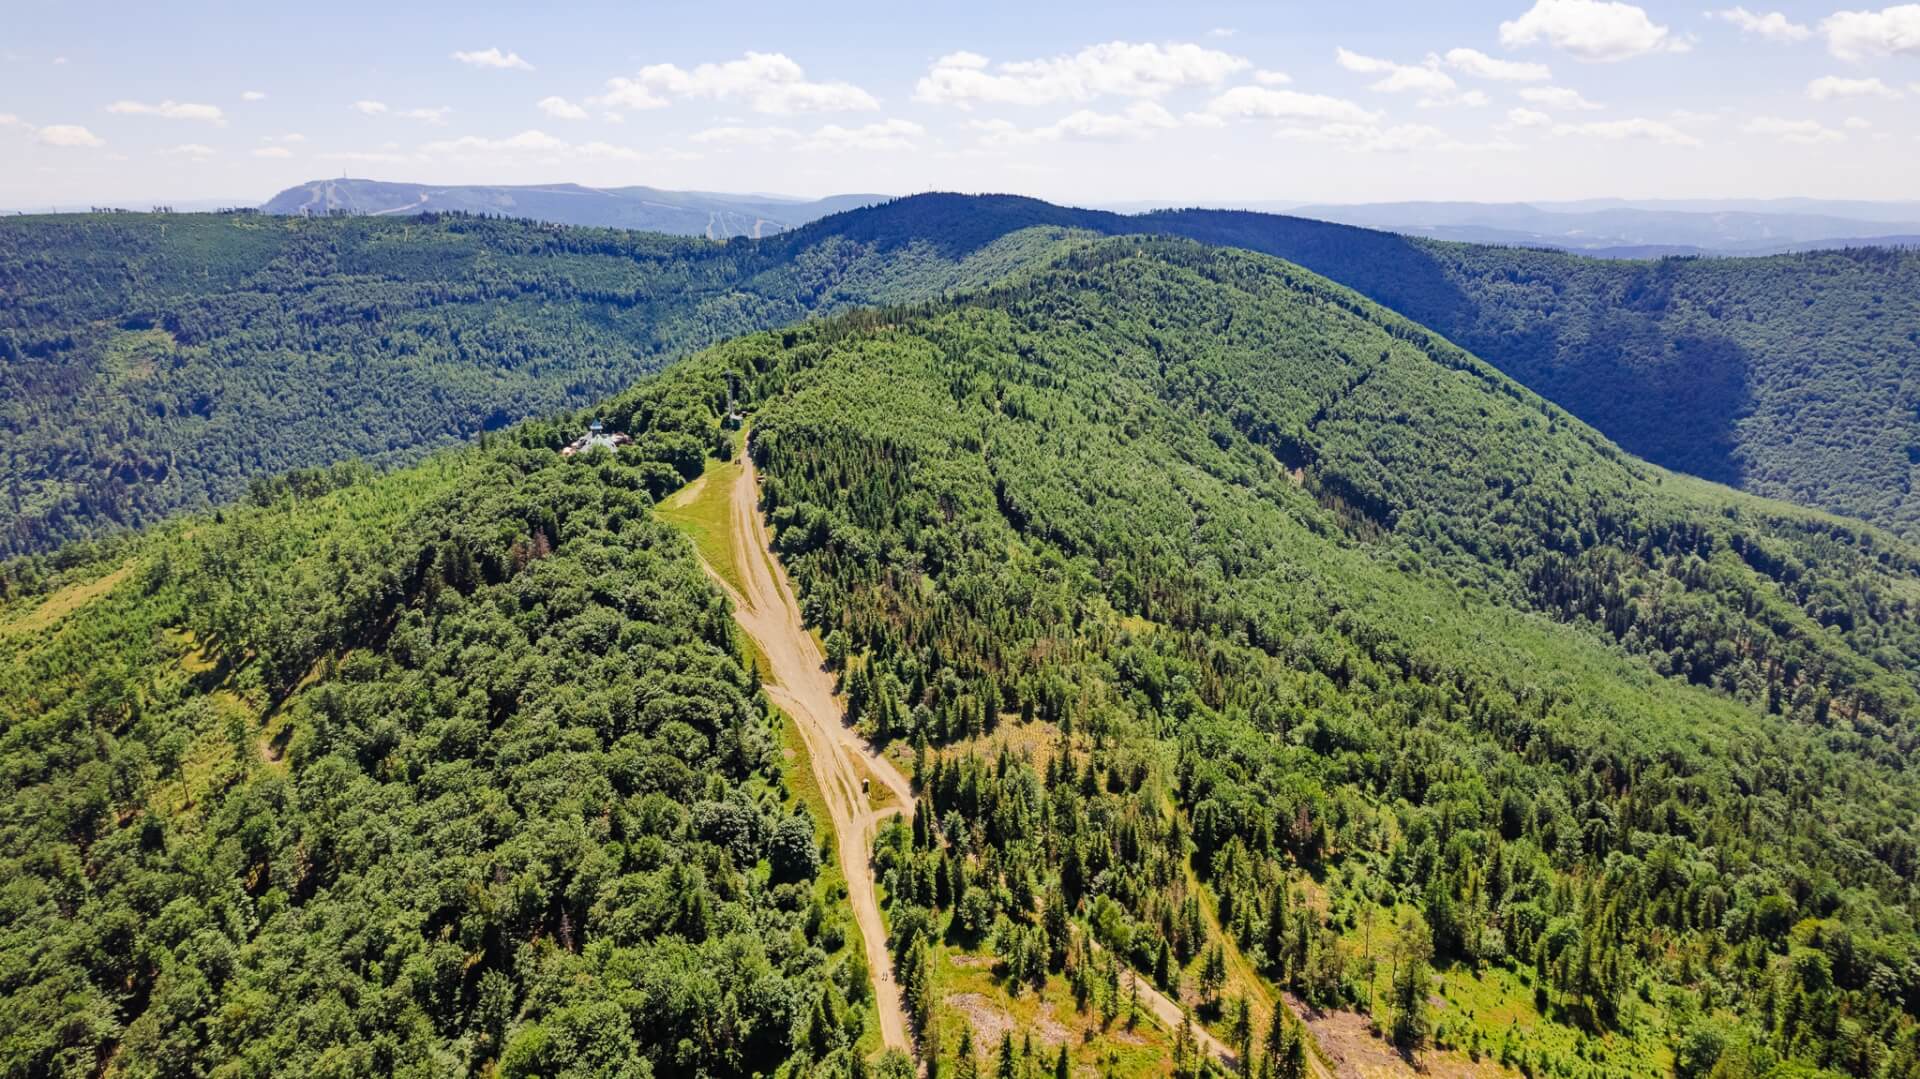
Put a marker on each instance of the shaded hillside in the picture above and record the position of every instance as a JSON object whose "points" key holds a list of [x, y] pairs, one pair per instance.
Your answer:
{"points": [[1790, 376], [710, 214], [1215, 606], [153, 363]]}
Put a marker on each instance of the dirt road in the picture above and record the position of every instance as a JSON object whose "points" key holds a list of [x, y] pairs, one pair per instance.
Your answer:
{"points": [[800, 685]]}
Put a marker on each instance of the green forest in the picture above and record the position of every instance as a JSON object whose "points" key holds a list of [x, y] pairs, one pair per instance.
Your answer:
{"points": [[151, 364], [1236, 631]]}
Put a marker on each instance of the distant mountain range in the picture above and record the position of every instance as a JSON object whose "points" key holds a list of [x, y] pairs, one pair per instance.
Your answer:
{"points": [[1618, 228], [681, 213]]}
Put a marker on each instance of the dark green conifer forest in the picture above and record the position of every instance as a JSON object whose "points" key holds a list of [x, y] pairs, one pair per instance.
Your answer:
{"points": [[1236, 631]]}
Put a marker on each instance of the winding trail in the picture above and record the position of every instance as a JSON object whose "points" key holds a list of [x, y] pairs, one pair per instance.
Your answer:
{"points": [[799, 684]]}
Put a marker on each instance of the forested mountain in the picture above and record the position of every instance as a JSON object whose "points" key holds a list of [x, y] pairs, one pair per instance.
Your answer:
{"points": [[154, 363], [1229, 621], [711, 214], [1791, 376]]}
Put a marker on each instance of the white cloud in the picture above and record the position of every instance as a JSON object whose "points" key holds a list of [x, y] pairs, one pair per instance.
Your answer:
{"points": [[1635, 128], [1774, 25], [1117, 68], [1556, 97], [1266, 103], [1828, 87], [253, 95], [1372, 138], [1369, 138], [769, 83], [883, 135], [561, 109], [289, 138], [1800, 132], [524, 142], [736, 135], [493, 58], [171, 110], [196, 150], [435, 115], [1222, 32], [537, 145], [1595, 30], [1855, 35], [1435, 87], [1137, 120], [273, 151], [370, 108], [625, 93], [69, 135], [1527, 118], [1272, 78], [1481, 66], [1400, 78], [880, 135], [1856, 123]]}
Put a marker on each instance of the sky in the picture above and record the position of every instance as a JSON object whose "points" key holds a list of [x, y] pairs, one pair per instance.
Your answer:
{"points": [[1106, 102]]}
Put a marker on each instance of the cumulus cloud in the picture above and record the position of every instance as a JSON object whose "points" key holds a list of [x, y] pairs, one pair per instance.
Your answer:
{"points": [[880, 135], [253, 95], [1272, 78], [561, 109], [536, 144], [1856, 123], [1594, 30], [1828, 87], [1527, 118], [526, 141], [69, 135], [1481, 66], [198, 151], [1556, 97], [1774, 25], [1266, 103], [435, 115], [1635, 128], [171, 110], [1856, 35], [738, 135], [273, 152], [1398, 78], [493, 58], [883, 135], [1115, 68], [1136, 120], [768, 82], [370, 108], [1799, 132]]}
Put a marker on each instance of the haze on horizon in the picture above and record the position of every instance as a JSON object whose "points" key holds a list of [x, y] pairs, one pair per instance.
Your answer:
{"points": [[1216, 102]]}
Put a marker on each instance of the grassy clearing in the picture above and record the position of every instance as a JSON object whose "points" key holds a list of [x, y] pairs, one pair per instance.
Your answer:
{"points": [[63, 603], [972, 996], [703, 510]]}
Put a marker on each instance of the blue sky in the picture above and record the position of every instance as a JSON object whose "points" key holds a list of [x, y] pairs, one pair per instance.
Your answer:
{"points": [[1222, 102]]}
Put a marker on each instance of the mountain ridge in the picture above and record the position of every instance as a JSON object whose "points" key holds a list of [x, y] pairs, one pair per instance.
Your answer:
{"points": [[1162, 565]]}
